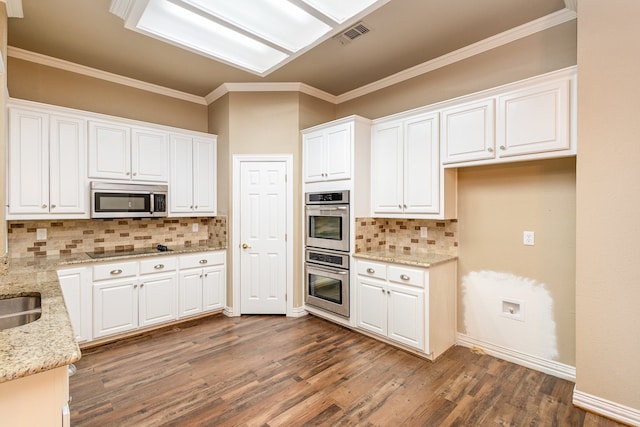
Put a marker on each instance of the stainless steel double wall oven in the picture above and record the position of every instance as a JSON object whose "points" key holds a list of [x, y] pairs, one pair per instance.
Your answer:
{"points": [[327, 251]]}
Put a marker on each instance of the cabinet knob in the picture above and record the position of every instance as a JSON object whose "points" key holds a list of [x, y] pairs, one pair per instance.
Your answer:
{"points": [[399, 206], [405, 277], [490, 150], [370, 270], [158, 266], [382, 291], [196, 206], [135, 173], [191, 207], [203, 261], [206, 274], [128, 173], [44, 206], [135, 286], [53, 206], [404, 206], [114, 272], [388, 292], [502, 147]]}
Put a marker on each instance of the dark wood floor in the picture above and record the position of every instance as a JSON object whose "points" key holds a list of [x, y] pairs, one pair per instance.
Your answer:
{"points": [[272, 371]]}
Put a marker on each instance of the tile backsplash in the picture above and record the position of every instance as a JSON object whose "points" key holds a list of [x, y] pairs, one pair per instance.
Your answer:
{"points": [[90, 235], [403, 235]]}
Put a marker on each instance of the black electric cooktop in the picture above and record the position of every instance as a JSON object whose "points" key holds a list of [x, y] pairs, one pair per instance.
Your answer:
{"points": [[110, 254]]}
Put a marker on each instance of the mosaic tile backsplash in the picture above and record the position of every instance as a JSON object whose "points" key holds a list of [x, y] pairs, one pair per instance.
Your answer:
{"points": [[403, 235], [95, 235]]}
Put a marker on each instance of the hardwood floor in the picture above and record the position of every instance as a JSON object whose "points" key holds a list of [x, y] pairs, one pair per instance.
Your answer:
{"points": [[273, 370]]}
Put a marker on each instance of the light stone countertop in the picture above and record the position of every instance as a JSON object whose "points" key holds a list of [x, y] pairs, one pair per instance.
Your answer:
{"points": [[48, 342], [420, 259]]}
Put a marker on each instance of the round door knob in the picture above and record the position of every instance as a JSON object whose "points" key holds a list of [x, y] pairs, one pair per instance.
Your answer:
{"points": [[245, 246]]}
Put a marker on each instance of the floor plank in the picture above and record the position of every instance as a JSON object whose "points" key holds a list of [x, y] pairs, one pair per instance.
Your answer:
{"points": [[276, 371]]}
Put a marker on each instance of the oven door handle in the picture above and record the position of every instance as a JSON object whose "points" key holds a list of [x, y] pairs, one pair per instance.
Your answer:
{"points": [[329, 269], [337, 208]]}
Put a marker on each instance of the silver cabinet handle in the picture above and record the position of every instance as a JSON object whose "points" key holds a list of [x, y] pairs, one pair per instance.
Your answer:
{"points": [[388, 292], [141, 285], [158, 266], [404, 206], [405, 277], [114, 272], [203, 261], [502, 147], [196, 206], [128, 173], [399, 206], [490, 150], [382, 290], [135, 286], [44, 206], [370, 270], [135, 173], [53, 206]]}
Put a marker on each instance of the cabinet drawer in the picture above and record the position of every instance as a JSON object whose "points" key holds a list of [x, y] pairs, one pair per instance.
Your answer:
{"points": [[202, 259], [406, 276], [115, 271], [158, 265], [372, 269]]}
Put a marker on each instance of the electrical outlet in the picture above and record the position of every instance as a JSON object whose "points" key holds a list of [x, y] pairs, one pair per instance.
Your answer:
{"points": [[528, 238], [194, 227], [41, 234], [423, 232]]}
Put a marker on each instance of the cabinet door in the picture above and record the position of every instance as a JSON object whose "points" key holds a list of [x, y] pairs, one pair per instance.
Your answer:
{"points": [[372, 306], [204, 176], [109, 150], [115, 307], [313, 156], [68, 170], [467, 132], [149, 155], [28, 162], [181, 171], [190, 299], [213, 288], [158, 295], [406, 316], [534, 120], [338, 152], [421, 165], [387, 168], [76, 289]]}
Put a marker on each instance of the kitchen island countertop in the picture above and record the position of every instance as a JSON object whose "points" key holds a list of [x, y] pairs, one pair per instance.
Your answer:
{"points": [[49, 342]]}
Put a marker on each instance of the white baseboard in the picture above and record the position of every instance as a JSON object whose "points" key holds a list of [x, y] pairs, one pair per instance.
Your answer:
{"points": [[547, 366], [606, 408], [298, 312]]}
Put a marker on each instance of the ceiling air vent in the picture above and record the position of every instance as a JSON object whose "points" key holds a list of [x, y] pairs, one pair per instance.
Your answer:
{"points": [[350, 34]]}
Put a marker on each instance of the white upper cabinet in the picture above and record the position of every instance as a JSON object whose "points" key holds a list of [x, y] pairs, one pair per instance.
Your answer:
{"points": [[124, 153], [406, 177], [327, 152], [47, 172], [192, 188], [467, 132], [527, 120]]}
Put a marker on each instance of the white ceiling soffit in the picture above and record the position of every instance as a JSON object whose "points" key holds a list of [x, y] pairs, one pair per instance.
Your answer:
{"points": [[258, 36]]}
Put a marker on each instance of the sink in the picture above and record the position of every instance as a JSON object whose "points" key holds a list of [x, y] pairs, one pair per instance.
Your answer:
{"points": [[18, 311]]}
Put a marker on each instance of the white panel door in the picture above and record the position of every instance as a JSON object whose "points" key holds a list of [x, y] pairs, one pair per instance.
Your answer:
{"points": [[262, 236], [149, 155], [468, 132], [68, 170], [421, 165], [338, 152], [115, 307], [190, 284], [76, 290], [28, 162], [181, 186], [406, 316], [372, 306], [109, 151], [158, 299], [204, 176], [314, 157], [214, 285], [387, 168]]}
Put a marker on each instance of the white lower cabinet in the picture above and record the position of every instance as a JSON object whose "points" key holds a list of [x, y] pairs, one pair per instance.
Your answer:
{"points": [[414, 307], [76, 290], [202, 283]]}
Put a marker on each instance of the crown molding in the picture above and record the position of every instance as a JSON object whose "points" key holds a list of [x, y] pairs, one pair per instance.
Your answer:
{"points": [[571, 5], [49, 61], [541, 24], [225, 88], [14, 8]]}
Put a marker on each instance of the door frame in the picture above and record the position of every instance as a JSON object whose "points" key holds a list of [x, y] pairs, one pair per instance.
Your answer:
{"points": [[238, 159]]}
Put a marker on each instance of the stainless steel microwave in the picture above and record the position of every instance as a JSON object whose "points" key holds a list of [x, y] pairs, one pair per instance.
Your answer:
{"points": [[114, 200]]}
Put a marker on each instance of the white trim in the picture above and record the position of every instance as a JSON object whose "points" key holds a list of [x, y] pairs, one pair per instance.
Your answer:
{"points": [[547, 366], [606, 408], [235, 226], [225, 88], [14, 9], [298, 312], [487, 44], [49, 61]]}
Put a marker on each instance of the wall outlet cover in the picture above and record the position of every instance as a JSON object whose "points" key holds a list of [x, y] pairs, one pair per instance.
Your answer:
{"points": [[41, 234], [194, 227], [423, 232], [528, 238]]}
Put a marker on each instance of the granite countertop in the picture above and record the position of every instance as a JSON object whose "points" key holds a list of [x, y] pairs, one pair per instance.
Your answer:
{"points": [[48, 342], [420, 259]]}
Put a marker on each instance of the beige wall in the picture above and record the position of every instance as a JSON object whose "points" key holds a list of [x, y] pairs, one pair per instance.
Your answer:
{"points": [[35, 82], [542, 52], [608, 208]]}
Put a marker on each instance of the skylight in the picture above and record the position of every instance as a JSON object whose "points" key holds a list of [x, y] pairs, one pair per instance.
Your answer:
{"points": [[255, 35]]}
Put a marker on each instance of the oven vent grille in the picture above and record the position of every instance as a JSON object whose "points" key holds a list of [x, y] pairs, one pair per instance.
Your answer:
{"points": [[352, 33]]}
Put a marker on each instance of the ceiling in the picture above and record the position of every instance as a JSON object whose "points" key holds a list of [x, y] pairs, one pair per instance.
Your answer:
{"points": [[404, 33]]}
